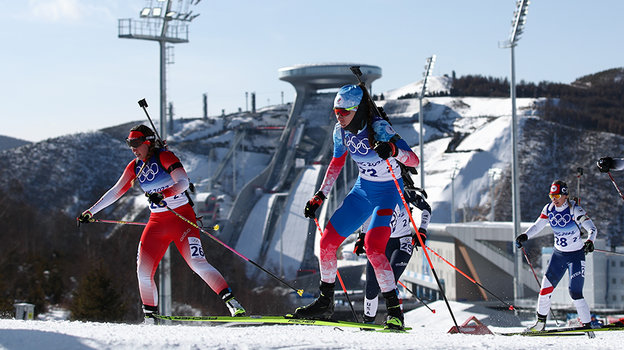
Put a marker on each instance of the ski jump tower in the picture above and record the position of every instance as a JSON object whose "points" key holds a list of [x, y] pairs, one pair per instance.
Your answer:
{"points": [[309, 78]]}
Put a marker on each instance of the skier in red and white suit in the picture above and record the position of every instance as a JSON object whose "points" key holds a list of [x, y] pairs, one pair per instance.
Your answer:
{"points": [[164, 181]]}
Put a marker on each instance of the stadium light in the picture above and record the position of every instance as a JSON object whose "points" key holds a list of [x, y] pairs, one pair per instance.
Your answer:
{"points": [[426, 74], [170, 28], [517, 28]]}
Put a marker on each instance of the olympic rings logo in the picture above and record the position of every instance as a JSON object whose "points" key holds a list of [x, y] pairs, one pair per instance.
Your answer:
{"points": [[149, 173], [356, 145], [559, 220]]}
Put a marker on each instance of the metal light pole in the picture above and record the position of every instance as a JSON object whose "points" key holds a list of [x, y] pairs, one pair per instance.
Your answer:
{"points": [[453, 194], [428, 71], [517, 26], [164, 21]]}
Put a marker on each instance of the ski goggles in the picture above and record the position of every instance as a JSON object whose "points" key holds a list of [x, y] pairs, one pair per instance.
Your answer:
{"points": [[136, 142], [343, 112], [555, 196]]}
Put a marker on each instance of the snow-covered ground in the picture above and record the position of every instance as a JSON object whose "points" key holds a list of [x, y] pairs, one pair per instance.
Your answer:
{"points": [[429, 332]]}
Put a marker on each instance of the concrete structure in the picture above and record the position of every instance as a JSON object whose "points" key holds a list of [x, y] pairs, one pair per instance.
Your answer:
{"points": [[309, 78], [483, 251]]}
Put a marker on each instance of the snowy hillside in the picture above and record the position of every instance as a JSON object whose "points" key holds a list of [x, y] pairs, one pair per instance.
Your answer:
{"points": [[465, 137]]}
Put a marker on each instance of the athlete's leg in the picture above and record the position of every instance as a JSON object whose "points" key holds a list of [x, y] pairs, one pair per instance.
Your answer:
{"points": [[556, 268], [153, 245], [188, 242], [353, 211], [577, 280]]}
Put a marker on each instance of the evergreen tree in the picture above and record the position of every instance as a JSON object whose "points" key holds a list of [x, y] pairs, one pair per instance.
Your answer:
{"points": [[96, 299]]}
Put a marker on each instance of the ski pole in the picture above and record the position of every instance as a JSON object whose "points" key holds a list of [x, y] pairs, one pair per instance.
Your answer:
{"points": [[299, 291], [614, 184], [358, 73], [120, 222], [511, 307], [607, 251], [414, 294], [422, 244], [526, 257], [339, 277]]}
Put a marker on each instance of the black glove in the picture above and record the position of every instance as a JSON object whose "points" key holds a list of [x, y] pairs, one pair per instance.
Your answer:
{"points": [[313, 204], [155, 198], [386, 150], [86, 217], [359, 244], [521, 239], [605, 164], [423, 235], [588, 247]]}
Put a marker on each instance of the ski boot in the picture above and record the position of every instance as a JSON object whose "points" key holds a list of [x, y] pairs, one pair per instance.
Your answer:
{"points": [[322, 307], [368, 319], [540, 325], [394, 320], [235, 308], [150, 313]]}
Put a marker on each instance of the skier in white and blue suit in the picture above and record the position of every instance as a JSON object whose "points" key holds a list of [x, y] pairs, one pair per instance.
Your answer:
{"points": [[565, 218], [372, 142]]}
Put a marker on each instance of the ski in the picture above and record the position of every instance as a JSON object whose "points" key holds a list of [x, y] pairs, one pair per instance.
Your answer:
{"points": [[278, 320], [568, 331]]}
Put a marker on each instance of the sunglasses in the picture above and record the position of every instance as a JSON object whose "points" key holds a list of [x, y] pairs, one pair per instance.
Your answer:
{"points": [[553, 196], [343, 112], [135, 142]]}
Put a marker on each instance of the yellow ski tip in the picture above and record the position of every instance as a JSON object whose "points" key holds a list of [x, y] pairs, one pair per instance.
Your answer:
{"points": [[215, 227], [300, 292]]}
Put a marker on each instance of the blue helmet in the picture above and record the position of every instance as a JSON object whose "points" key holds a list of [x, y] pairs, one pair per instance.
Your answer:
{"points": [[348, 96]]}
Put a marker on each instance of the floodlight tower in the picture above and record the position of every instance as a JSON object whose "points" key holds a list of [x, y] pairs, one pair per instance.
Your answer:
{"points": [[517, 26], [426, 74], [164, 22]]}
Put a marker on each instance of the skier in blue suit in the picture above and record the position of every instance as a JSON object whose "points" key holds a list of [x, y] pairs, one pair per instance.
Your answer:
{"points": [[370, 140]]}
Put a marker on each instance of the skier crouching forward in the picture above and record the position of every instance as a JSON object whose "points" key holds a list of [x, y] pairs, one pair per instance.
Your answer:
{"points": [[565, 217], [164, 181], [370, 140]]}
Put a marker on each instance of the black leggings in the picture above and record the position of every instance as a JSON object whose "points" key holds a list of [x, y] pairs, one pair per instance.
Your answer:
{"points": [[399, 252]]}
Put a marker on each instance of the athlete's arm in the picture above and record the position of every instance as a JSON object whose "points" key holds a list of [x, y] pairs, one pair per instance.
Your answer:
{"points": [[385, 132], [539, 224], [123, 184], [581, 218], [405, 154], [172, 164], [333, 170]]}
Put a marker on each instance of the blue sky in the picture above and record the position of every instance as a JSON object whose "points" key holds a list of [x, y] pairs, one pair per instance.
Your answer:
{"points": [[64, 70]]}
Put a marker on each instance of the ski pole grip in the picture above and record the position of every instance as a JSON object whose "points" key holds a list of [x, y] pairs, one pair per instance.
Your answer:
{"points": [[142, 103]]}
